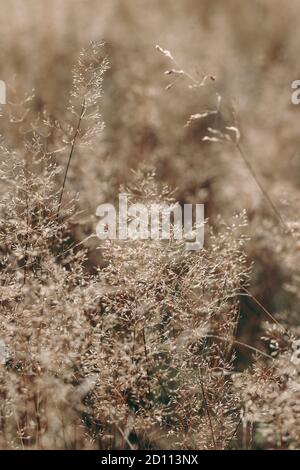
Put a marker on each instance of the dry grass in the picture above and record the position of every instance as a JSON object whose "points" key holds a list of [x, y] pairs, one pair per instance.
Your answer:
{"points": [[142, 344]]}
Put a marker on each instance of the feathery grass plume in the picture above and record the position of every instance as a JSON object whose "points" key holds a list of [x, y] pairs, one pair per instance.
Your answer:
{"points": [[166, 336], [44, 327], [86, 93]]}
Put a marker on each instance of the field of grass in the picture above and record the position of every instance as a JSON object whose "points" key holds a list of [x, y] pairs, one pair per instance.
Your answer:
{"points": [[141, 344]]}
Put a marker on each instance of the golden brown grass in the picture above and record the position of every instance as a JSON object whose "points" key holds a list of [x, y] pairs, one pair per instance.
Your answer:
{"points": [[142, 344]]}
